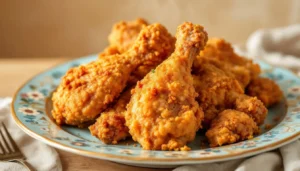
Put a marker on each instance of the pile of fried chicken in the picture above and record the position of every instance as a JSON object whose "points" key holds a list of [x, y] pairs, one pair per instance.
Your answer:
{"points": [[160, 90]]}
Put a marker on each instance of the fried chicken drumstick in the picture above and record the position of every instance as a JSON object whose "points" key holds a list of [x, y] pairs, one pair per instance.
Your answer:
{"points": [[162, 113], [86, 90], [121, 38]]}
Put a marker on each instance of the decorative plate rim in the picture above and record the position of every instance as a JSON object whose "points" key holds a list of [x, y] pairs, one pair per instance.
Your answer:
{"points": [[137, 160]]}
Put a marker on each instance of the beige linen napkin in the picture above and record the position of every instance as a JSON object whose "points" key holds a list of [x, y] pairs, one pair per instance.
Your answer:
{"points": [[38, 154], [279, 47]]}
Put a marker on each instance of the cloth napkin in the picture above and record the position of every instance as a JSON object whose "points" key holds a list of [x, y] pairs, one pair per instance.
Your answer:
{"points": [[38, 154], [278, 47]]}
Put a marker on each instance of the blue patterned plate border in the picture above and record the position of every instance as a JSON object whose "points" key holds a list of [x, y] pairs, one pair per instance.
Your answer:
{"points": [[31, 106]]}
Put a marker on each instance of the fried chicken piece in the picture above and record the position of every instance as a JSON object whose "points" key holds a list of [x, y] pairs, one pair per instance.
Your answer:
{"points": [[86, 90], [251, 106], [110, 126], [229, 127], [220, 77], [121, 39], [123, 35], [223, 51], [214, 87], [240, 73], [163, 113], [265, 90], [219, 91], [109, 51]]}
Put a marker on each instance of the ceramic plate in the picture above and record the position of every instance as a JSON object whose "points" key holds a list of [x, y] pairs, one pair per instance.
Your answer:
{"points": [[32, 105]]}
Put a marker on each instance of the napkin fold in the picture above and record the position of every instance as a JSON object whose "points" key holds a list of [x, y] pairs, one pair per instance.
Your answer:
{"points": [[38, 154], [278, 47]]}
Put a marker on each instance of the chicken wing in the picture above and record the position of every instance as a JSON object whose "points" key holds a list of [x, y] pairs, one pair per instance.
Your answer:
{"points": [[163, 113], [85, 91], [231, 126], [265, 90], [110, 126]]}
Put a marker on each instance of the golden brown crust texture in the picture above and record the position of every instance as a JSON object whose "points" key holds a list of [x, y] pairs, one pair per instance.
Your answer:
{"points": [[221, 50], [163, 113], [265, 90], [231, 126], [110, 126], [85, 91]]}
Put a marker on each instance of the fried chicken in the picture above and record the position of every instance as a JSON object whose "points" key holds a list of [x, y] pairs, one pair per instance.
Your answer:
{"points": [[229, 127], [251, 106], [163, 113], [219, 91], [240, 73], [123, 35], [109, 51], [121, 39], [110, 126], [87, 90], [220, 77], [223, 51], [265, 90], [214, 88]]}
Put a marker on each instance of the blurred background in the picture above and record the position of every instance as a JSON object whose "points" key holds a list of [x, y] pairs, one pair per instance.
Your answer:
{"points": [[73, 28]]}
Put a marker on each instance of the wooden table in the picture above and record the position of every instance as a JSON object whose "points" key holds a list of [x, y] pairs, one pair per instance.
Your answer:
{"points": [[14, 72]]}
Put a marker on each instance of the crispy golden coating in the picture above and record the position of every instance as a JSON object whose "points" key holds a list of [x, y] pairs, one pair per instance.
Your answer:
{"points": [[124, 34], [220, 77], [265, 90], [240, 73], [251, 106], [109, 51], [214, 88], [121, 39], [163, 113], [85, 91], [231, 126], [223, 51], [110, 126], [219, 90]]}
